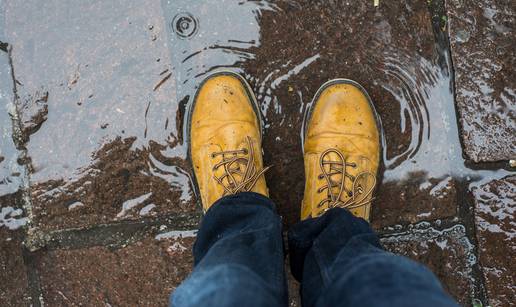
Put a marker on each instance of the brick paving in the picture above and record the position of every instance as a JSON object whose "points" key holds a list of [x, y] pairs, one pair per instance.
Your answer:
{"points": [[484, 57], [95, 195], [495, 208]]}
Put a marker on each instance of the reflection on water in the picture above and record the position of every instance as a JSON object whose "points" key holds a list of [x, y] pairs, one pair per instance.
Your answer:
{"points": [[12, 218]]}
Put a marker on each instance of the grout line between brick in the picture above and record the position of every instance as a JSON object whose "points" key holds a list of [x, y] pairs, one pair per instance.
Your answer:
{"points": [[114, 235]]}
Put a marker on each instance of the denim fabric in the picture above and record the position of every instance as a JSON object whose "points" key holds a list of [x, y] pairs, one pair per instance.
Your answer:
{"points": [[239, 261], [238, 256]]}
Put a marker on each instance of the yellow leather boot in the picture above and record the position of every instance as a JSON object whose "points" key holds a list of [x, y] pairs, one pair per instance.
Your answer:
{"points": [[341, 150], [225, 139]]}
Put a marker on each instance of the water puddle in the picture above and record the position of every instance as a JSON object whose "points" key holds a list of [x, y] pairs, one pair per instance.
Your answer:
{"points": [[286, 52], [98, 113], [103, 103]]}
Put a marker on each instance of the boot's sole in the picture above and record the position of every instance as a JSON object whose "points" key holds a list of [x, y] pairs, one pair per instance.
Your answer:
{"points": [[254, 103]]}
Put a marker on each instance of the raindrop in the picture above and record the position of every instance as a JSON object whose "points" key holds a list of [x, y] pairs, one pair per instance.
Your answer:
{"points": [[185, 25]]}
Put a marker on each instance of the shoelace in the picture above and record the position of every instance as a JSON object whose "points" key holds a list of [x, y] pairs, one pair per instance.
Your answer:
{"points": [[232, 160], [339, 168]]}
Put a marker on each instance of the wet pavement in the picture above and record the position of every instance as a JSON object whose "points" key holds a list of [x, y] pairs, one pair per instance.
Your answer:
{"points": [[484, 57], [93, 147], [495, 217], [447, 251]]}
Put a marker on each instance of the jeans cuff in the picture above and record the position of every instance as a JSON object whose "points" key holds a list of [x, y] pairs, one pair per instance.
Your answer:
{"points": [[244, 198]]}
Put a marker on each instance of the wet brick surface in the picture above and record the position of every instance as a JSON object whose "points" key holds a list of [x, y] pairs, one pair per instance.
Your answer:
{"points": [[495, 217], [416, 199], [13, 281], [484, 56], [294, 296], [142, 273], [13, 273], [448, 253], [99, 97], [288, 49], [104, 134]]}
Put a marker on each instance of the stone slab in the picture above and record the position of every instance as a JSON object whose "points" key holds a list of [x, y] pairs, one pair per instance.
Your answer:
{"points": [[416, 199], [98, 111], [448, 253], [142, 273], [495, 218], [483, 49]]}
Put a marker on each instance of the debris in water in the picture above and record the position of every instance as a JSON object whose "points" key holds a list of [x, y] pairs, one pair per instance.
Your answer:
{"points": [[162, 81], [3, 46]]}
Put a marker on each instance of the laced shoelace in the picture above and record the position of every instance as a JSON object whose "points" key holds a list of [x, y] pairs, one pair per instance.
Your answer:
{"points": [[237, 178], [357, 195]]}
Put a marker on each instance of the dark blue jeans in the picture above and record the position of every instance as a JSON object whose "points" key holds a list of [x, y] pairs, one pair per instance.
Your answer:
{"points": [[239, 261]]}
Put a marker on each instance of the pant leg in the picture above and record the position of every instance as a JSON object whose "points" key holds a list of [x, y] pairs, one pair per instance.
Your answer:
{"points": [[340, 262], [238, 256]]}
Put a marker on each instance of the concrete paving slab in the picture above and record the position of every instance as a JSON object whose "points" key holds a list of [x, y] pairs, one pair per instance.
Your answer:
{"points": [[483, 49], [495, 218], [447, 252]]}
